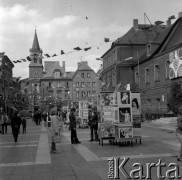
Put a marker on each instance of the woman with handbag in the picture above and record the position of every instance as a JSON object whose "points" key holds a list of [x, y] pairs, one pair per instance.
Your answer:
{"points": [[179, 132]]}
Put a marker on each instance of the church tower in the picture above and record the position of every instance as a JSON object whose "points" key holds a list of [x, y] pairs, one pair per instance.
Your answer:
{"points": [[35, 66]]}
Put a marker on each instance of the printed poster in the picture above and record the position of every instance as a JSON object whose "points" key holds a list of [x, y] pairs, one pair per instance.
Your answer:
{"points": [[125, 132], [124, 98], [125, 115]]}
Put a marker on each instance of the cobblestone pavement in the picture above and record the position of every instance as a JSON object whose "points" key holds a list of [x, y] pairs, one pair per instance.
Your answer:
{"points": [[30, 157]]}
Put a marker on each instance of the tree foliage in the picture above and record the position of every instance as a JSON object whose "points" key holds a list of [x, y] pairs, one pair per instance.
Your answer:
{"points": [[175, 97]]}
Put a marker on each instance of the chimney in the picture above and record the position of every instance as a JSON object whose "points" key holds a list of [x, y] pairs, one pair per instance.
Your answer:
{"points": [[63, 64], [168, 23], [180, 14], [135, 23]]}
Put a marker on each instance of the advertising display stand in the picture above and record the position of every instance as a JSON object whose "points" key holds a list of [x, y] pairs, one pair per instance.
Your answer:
{"points": [[120, 117]]}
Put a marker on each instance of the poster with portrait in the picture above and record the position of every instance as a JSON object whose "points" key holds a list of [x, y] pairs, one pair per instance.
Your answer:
{"points": [[125, 132], [125, 115], [124, 98], [136, 113]]}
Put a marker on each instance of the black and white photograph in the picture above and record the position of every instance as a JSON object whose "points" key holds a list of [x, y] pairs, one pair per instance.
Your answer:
{"points": [[69, 66]]}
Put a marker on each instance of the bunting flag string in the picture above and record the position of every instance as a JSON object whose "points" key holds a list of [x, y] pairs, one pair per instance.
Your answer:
{"points": [[62, 52]]}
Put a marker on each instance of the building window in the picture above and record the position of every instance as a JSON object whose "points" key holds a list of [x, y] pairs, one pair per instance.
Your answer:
{"points": [[88, 94], [156, 72], [136, 77], [58, 84], [148, 50], [35, 72], [167, 69], [88, 75], [67, 84], [83, 94], [93, 84], [82, 75], [57, 74], [82, 84], [77, 94], [147, 75], [50, 85], [77, 84]]}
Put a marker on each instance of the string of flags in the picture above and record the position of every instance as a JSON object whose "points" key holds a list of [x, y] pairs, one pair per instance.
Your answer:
{"points": [[62, 52]]}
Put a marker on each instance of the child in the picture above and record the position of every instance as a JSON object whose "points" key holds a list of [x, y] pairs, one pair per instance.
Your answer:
{"points": [[24, 124]]}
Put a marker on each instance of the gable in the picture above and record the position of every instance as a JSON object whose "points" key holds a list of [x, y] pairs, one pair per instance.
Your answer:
{"points": [[175, 39]]}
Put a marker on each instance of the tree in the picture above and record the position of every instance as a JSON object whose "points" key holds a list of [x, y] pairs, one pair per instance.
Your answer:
{"points": [[175, 97]]}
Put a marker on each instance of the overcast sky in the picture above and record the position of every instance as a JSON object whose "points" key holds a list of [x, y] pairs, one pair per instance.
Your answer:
{"points": [[62, 25]]}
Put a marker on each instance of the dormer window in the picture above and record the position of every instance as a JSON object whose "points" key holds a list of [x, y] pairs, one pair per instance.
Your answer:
{"points": [[149, 50], [57, 74]]}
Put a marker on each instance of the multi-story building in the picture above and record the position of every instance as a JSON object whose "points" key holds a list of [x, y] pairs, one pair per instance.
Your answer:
{"points": [[117, 64], [84, 83], [159, 67], [6, 84], [48, 85], [149, 58]]}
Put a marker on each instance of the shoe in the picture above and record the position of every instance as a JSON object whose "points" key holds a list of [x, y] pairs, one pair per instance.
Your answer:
{"points": [[91, 140], [73, 143], [96, 140], [78, 142]]}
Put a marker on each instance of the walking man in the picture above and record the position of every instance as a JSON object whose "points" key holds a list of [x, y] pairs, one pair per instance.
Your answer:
{"points": [[15, 123], [72, 118]]}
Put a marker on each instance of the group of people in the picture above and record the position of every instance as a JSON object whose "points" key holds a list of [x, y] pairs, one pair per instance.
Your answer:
{"points": [[15, 121]]}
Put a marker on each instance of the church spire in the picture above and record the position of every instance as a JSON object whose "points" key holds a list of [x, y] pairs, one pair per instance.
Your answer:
{"points": [[35, 45]]}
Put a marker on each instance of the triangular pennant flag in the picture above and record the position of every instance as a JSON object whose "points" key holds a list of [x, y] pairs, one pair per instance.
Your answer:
{"points": [[24, 60], [99, 59], [15, 61], [106, 39], [86, 17], [62, 52], [77, 48], [47, 55], [86, 49], [54, 55], [19, 61], [29, 59]]}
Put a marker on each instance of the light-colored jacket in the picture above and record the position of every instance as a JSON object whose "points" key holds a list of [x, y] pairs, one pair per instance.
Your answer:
{"points": [[54, 125]]}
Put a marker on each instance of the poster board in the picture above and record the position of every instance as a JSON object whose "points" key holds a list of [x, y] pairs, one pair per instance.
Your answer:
{"points": [[83, 109]]}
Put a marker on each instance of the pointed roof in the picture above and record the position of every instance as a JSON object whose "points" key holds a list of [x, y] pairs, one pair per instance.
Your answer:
{"points": [[35, 45]]}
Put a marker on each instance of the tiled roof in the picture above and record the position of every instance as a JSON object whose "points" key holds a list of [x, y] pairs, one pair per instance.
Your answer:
{"points": [[50, 67]]}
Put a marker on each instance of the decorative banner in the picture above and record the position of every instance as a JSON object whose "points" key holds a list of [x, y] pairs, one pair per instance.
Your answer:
{"points": [[175, 59], [124, 98], [125, 115], [125, 132]]}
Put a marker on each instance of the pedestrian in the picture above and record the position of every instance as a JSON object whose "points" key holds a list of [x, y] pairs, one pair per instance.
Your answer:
{"points": [[24, 125], [15, 124], [93, 123], [72, 118], [44, 116], [4, 122], [54, 129]]}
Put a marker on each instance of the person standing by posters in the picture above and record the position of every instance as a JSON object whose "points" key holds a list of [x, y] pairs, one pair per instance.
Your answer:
{"points": [[15, 124], [93, 122], [72, 118], [179, 133]]}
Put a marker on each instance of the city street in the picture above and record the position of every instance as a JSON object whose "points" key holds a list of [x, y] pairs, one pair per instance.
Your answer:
{"points": [[30, 157]]}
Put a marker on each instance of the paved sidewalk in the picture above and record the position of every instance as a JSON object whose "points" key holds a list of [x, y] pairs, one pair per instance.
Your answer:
{"points": [[30, 158]]}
